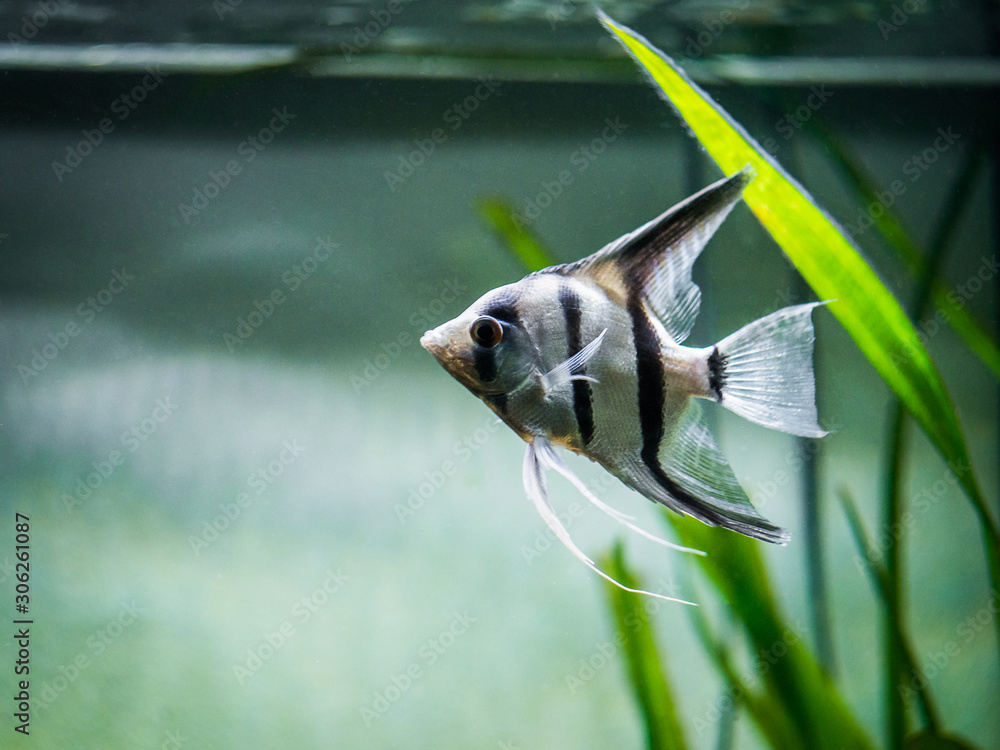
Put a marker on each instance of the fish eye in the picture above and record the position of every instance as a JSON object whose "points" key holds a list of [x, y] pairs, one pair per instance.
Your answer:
{"points": [[486, 331]]}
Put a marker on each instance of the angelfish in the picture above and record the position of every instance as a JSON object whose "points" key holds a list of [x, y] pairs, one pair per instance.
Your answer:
{"points": [[589, 356]]}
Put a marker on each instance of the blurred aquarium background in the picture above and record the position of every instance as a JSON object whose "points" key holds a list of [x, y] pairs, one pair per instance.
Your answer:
{"points": [[262, 516]]}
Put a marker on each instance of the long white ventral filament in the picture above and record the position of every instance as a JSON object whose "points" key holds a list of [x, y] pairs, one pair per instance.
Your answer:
{"points": [[534, 485], [551, 460]]}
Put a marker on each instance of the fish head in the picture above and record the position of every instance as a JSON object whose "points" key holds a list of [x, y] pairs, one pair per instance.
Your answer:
{"points": [[486, 348]]}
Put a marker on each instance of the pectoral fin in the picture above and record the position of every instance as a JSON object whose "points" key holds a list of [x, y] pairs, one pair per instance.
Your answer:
{"points": [[572, 368]]}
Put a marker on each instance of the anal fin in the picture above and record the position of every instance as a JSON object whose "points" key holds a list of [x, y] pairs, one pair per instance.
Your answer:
{"points": [[694, 478]]}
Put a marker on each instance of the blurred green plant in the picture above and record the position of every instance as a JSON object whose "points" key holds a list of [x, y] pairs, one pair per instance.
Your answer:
{"points": [[892, 499], [926, 267], [956, 312], [645, 664], [796, 696], [499, 214]]}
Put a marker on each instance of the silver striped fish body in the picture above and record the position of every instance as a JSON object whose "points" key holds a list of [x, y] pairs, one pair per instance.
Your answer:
{"points": [[589, 356], [562, 313]]}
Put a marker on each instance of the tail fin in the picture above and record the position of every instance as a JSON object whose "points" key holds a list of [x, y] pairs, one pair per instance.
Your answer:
{"points": [[764, 372]]}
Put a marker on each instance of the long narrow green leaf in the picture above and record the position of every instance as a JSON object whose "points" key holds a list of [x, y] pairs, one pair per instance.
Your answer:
{"points": [[652, 691], [879, 578], [791, 674], [767, 712], [828, 261], [954, 309], [892, 503]]}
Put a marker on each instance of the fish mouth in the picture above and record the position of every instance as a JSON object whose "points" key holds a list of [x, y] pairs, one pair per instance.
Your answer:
{"points": [[432, 342], [458, 363], [436, 341]]}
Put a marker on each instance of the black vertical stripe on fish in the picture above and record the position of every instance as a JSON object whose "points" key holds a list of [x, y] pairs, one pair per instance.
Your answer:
{"points": [[583, 407], [717, 372], [485, 362], [505, 310], [651, 376]]}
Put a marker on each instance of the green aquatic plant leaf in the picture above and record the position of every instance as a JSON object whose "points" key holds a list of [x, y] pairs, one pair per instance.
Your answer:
{"points": [[499, 214], [828, 261], [952, 305], [790, 674], [892, 504], [869, 557], [641, 655], [766, 711], [928, 740]]}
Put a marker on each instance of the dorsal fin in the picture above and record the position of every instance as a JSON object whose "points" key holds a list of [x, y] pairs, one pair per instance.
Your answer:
{"points": [[658, 255]]}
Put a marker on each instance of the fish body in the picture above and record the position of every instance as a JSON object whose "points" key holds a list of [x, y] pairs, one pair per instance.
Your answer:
{"points": [[590, 356]]}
